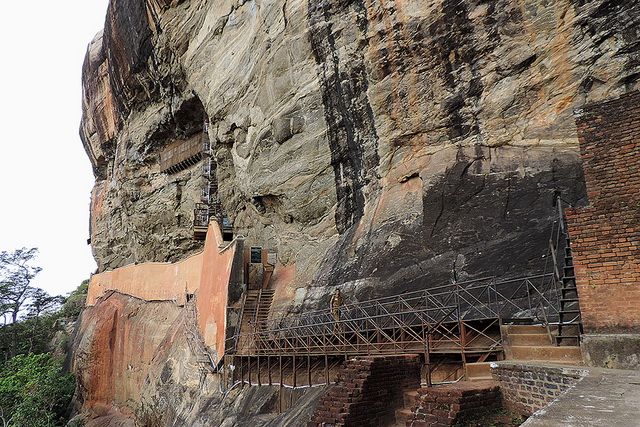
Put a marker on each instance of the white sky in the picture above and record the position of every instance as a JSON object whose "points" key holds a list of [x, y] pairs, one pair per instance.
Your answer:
{"points": [[45, 176]]}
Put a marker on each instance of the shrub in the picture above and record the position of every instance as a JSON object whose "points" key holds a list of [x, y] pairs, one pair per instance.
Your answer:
{"points": [[34, 392]]}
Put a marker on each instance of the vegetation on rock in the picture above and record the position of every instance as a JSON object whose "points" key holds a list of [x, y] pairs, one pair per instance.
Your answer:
{"points": [[34, 389], [34, 392]]}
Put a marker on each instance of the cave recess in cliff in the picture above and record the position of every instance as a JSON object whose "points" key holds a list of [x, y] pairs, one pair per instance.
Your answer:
{"points": [[180, 139]]}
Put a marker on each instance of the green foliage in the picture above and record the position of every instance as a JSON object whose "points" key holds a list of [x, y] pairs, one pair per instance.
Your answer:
{"points": [[74, 303], [34, 392], [44, 318], [16, 274], [32, 335]]}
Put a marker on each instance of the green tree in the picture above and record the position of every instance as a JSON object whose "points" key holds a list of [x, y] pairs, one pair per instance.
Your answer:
{"points": [[16, 274], [41, 302], [34, 392], [74, 303]]}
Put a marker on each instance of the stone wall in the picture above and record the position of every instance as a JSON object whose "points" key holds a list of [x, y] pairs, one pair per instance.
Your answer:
{"points": [[150, 281], [215, 283], [605, 235], [527, 388], [453, 403], [209, 274], [368, 391]]}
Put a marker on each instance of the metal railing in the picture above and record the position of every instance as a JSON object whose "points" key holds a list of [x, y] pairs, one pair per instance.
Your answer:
{"points": [[207, 167], [443, 319], [201, 215]]}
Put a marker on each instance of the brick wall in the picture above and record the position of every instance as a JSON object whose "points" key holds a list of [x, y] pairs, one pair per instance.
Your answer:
{"points": [[605, 235], [452, 404], [368, 391], [529, 388]]}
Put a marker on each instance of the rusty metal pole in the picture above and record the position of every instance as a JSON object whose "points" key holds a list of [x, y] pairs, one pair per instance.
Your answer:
{"points": [[280, 388], [259, 382], [295, 384], [326, 368]]}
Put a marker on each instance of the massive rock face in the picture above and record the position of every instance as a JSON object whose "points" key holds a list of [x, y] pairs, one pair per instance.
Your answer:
{"points": [[382, 145]]}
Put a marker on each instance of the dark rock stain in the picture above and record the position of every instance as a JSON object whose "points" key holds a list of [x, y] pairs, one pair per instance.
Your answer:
{"points": [[353, 140], [455, 51], [128, 45], [601, 20]]}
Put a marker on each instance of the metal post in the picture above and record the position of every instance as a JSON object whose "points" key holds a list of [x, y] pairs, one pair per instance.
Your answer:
{"points": [[225, 364], [463, 345], [280, 389], [309, 369], [326, 368], [269, 369], [295, 384], [259, 382], [498, 310], [427, 357], [560, 216]]}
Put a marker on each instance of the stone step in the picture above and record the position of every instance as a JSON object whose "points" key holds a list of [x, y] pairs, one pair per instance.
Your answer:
{"points": [[529, 339], [568, 340], [553, 362], [526, 329], [410, 399], [403, 415], [484, 378], [477, 370], [547, 353]]}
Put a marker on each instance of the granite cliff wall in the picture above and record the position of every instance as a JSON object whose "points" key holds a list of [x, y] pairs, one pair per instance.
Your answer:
{"points": [[381, 146]]}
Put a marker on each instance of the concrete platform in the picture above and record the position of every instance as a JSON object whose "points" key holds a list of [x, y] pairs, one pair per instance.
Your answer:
{"points": [[605, 397]]}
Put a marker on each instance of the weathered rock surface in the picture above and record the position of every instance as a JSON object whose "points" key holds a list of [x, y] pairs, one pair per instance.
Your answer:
{"points": [[135, 366], [376, 143], [383, 145]]}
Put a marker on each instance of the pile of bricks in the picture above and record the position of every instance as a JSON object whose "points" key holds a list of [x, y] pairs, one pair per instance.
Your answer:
{"points": [[528, 388], [605, 236], [368, 391], [452, 404]]}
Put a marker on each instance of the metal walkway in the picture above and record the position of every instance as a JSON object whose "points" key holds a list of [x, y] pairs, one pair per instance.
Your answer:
{"points": [[452, 318], [457, 323]]}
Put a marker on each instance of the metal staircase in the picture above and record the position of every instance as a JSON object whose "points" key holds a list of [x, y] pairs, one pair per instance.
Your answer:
{"points": [[255, 311], [570, 323], [569, 319], [210, 206]]}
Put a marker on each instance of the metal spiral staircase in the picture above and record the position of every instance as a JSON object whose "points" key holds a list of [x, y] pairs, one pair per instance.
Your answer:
{"points": [[210, 205]]}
